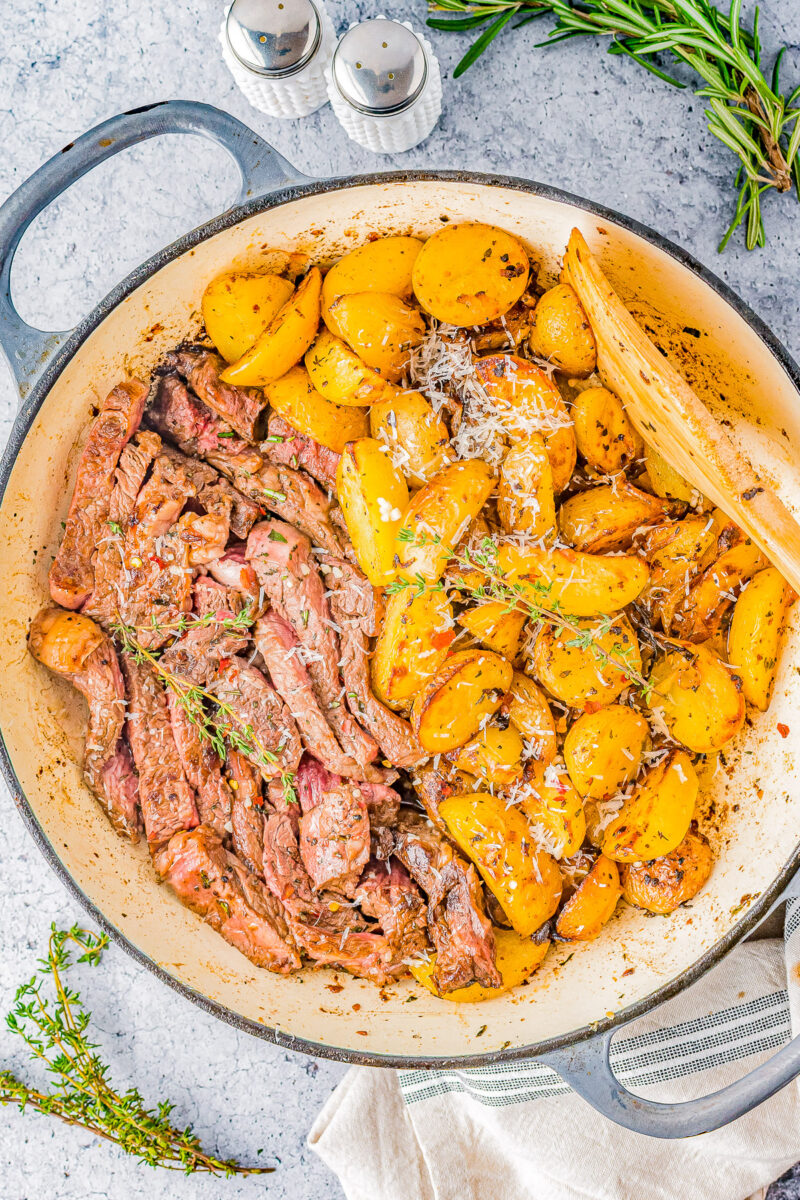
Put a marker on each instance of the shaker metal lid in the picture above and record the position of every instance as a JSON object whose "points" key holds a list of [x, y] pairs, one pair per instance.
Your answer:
{"points": [[379, 67], [273, 37]]}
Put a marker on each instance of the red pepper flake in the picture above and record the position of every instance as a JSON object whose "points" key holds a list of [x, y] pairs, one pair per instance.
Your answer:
{"points": [[440, 641], [783, 730], [224, 663], [158, 561]]}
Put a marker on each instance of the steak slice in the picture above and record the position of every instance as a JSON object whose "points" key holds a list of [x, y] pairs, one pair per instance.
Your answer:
{"points": [[244, 409], [187, 421], [290, 448], [280, 648], [334, 839], [214, 884], [134, 463], [167, 800], [212, 599], [72, 575], [234, 571], [79, 651], [196, 656], [388, 893], [313, 780], [202, 768], [247, 816], [259, 716], [459, 928]]}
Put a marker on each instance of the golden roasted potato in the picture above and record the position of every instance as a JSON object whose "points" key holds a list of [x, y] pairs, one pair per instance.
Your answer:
{"points": [[339, 374], [562, 334], [63, 640], [237, 308], [553, 807], [300, 404], [413, 642], [585, 585], [406, 420], [382, 265], [699, 696], [373, 496], [495, 627], [531, 714], [470, 274], [592, 905], [698, 614], [663, 884], [516, 957], [527, 402], [524, 879], [606, 518], [605, 436], [576, 674], [525, 498], [285, 340], [467, 688], [380, 328], [494, 756], [675, 551], [657, 817], [603, 750], [665, 479], [439, 515], [755, 633]]}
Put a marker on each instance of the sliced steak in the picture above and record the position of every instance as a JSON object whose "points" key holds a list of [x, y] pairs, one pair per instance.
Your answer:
{"points": [[134, 463], [210, 598], [242, 513], [259, 716], [202, 768], [458, 926], [388, 893], [290, 448], [214, 884], [79, 651], [188, 422], [234, 571], [244, 409], [166, 798], [334, 839], [247, 815], [71, 575], [196, 656], [313, 780]]}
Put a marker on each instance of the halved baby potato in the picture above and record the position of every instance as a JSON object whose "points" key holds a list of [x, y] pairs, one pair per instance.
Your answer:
{"points": [[468, 687], [530, 712], [552, 804], [657, 817], [413, 642], [238, 307], [675, 551], [382, 265], [605, 436], [577, 674], [381, 329], [699, 696], [606, 517], [339, 374], [494, 756], [562, 334], [301, 405], [699, 614], [438, 517], [63, 640], [585, 585], [524, 879], [663, 884], [406, 420], [495, 627], [603, 750], [592, 905], [285, 340], [516, 958], [754, 636], [525, 497], [470, 274], [373, 496]]}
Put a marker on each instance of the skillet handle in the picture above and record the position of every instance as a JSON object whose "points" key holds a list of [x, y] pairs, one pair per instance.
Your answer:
{"points": [[586, 1067], [262, 170]]}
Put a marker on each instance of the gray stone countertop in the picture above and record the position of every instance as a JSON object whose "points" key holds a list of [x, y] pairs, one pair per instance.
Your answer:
{"points": [[568, 116]]}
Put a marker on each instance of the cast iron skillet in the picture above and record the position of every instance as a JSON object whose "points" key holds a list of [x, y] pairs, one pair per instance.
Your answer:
{"points": [[37, 359]]}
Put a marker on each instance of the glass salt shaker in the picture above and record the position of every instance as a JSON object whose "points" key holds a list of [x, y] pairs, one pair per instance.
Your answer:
{"points": [[277, 52], [384, 85]]}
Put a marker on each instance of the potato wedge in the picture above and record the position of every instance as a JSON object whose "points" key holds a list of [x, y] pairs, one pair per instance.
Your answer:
{"points": [[517, 958], [495, 627], [554, 809], [755, 633], [603, 750], [662, 885], [531, 714], [606, 518], [524, 879], [525, 497], [494, 756], [380, 328], [675, 551], [419, 439], [237, 308], [285, 340], [699, 614], [604, 435], [382, 265], [592, 905], [413, 642], [300, 404], [529, 402], [439, 515], [562, 334], [585, 585], [665, 479], [699, 696], [581, 676], [468, 687], [340, 375], [470, 274], [657, 817], [373, 496]]}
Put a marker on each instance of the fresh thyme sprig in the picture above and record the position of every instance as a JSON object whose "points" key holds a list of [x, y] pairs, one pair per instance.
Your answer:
{"points": [[56, 1032], [749, 114], [516, 598]]}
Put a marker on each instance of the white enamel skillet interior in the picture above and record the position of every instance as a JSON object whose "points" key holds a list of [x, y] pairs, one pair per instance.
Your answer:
{"points": [[751, 805]]}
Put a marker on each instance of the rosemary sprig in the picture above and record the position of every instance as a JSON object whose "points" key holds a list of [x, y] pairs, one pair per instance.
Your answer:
{"points": [[56, 1032], [748, 113]]}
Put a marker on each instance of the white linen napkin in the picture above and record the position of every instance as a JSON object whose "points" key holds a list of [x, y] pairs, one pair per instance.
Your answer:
{"points": [[516, 1132]]}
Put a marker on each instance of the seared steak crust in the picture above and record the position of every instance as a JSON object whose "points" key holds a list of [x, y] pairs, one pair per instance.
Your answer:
{"points": [[244, 409], [247, 816], [202, 768], [334, 839], [388, 893], [258, 707], [289, 448]]}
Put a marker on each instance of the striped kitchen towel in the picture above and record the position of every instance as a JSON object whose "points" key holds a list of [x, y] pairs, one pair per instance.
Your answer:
{"points": [[515, 1131]]}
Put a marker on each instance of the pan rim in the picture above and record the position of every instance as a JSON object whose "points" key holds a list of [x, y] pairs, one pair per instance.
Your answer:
{"points": [[21, 427]]}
